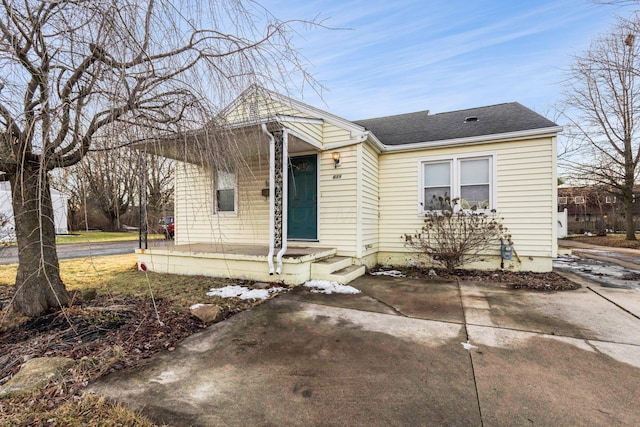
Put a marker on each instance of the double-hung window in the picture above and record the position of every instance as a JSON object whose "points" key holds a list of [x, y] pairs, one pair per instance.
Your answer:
{"points": [[475, 183], [437, 185], [469, 180], [225, 192]]}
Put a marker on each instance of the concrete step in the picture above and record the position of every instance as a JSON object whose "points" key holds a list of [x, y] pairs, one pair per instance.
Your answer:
{"points": [[345, 275], [327, 266]]}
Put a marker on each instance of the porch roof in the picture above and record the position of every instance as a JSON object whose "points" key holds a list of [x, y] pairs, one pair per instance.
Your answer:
{"points": [[203, 145]]}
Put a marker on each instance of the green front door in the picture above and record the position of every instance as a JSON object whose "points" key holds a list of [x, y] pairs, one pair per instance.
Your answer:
{"points": [[302, 210]]}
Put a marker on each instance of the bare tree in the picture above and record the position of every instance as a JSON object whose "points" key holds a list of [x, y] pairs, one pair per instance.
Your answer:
{"points": [[72, 69], [111, 177], [159, 186], [603, 104]]}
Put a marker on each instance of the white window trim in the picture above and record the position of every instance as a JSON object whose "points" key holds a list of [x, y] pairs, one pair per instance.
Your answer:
{"points": [[214, 197], [455, 177], [563, 200]]}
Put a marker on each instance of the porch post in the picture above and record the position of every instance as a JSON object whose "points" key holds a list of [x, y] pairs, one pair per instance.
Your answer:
{"points": [[284, 202], [278, 194], [278, 168]]}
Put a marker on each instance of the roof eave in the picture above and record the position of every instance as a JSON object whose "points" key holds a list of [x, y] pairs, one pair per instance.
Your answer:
{"points": [[481, 139]]}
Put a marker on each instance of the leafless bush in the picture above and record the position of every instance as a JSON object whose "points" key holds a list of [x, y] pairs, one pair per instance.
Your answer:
{"points": [[451, 237]]}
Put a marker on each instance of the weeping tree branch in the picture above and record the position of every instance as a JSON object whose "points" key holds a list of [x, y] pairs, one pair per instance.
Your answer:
{"points": [[72, 72]]}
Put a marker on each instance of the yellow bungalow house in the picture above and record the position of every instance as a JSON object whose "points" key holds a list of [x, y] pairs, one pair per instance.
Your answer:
{"points": [[294, 193]]}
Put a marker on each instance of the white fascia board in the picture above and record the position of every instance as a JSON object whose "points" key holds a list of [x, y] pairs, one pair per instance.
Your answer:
{"points": [[356, 140], [377, 145], [283, 118], [276, 119], [481, 139]]}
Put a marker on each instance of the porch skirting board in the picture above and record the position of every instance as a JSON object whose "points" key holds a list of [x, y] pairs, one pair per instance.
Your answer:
{"points": [[233, 263]]}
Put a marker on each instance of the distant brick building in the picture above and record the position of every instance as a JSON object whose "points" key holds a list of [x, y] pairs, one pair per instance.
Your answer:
{"points": [[591, 208]]}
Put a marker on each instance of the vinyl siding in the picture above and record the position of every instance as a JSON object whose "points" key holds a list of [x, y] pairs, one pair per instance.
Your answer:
{"points": [[368, 192], [334, 135], [195, 220], [525, 193], [337, 207], [337, 214]]}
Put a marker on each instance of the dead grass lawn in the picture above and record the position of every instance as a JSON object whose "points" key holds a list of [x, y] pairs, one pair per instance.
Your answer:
{"points": [[612, 240], [111, 276]]}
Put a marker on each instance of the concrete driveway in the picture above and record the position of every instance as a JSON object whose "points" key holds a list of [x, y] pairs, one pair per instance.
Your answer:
{"points": [[394, 355]]}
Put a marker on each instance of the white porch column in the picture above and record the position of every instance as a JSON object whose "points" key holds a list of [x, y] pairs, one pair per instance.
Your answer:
{"points": [[278, 175]]}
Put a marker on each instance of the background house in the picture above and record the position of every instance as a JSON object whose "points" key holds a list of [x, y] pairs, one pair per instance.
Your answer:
{"points": [[59, 202], [591, 208]]}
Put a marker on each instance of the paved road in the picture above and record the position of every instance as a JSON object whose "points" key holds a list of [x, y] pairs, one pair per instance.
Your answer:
{"points": [[610, 267], [78, 250]]}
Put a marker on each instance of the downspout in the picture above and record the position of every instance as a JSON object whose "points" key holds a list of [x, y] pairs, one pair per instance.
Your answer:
{"points": [[285, 196], [272, 185]]}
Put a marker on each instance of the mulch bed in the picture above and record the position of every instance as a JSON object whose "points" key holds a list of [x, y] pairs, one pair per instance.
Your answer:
{"points": [[512, 279], [133, 325], [522, 280], [103, 335]]}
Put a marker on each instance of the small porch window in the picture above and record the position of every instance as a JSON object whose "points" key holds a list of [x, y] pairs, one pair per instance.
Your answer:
{"points": [[225, 192]]}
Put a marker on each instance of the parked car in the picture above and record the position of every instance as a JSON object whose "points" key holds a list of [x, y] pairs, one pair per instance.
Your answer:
{"points": [[167, 227]]}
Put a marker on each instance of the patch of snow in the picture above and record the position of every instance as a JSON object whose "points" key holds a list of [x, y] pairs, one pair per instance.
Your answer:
{"points": [[255, 294], [328, 287], [196, 306], [227, 291], [468, 346], [242, 292], [392, 273]]}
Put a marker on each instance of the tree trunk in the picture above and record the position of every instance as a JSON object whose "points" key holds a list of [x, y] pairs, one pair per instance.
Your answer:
{"points": [[38, 283], [627, 197], [628, 219]]}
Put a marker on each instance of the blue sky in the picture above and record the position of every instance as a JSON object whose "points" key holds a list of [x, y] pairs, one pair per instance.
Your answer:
{"points": [[411, 55]]}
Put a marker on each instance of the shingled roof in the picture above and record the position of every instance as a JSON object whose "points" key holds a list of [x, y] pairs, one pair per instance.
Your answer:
{"points": [[423, 127]]}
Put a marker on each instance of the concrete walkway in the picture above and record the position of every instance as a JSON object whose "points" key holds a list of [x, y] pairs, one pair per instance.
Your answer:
{"points": [[394, 355]]}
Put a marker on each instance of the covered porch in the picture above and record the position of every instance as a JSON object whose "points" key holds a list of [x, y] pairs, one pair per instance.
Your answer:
{"points": [[248, 262], [247, 196]]}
